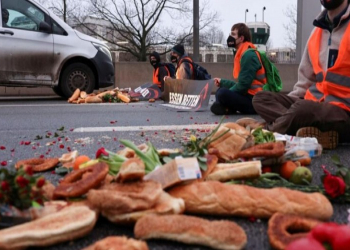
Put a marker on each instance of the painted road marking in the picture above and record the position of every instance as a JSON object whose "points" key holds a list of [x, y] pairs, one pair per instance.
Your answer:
{"points": [[73, 105], [143, 128]]}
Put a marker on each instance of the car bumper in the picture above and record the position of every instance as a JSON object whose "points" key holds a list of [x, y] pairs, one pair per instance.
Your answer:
{"points": [[105, 70]]}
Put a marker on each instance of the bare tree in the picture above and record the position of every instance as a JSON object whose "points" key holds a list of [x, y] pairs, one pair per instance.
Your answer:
{"points": [[291, 26], [63, 8], [138, 26]]}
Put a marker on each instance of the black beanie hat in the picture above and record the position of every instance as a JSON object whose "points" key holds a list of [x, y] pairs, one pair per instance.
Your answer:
{"points": [[156, 55], [179, 49]]}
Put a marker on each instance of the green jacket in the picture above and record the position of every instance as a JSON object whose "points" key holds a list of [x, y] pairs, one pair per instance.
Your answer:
{"points": [[250, 64]]}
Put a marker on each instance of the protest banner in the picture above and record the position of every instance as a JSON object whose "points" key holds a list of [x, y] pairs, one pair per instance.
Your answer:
{"points": [[187, 95], [146, 91]]}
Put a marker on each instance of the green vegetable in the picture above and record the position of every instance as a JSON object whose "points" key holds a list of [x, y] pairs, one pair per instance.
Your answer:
{"points": [[113, 160], [150, 158], [262, 137]]}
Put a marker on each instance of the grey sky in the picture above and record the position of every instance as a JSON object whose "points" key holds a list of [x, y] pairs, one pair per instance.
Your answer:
{"points": [[233, 11]]}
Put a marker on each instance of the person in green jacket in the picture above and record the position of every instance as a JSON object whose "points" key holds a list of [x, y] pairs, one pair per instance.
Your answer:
{"points": [[248, 76]]}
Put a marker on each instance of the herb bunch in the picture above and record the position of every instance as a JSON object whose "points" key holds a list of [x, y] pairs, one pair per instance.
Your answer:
{"points": [[198, 147]]}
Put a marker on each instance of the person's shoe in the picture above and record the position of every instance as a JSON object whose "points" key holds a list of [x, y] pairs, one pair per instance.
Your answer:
{"points": [[218, 109], [328, 139], [250, 122]]}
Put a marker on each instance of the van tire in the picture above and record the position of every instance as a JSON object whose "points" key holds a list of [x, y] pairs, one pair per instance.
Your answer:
{"points": [[58, 91], [77, 75]]}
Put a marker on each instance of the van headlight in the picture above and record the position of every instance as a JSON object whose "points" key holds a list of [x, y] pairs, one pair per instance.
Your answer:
{"points": [[103, 49]]}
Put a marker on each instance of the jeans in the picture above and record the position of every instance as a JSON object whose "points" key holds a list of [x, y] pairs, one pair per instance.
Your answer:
{"points": [[235, 101]]}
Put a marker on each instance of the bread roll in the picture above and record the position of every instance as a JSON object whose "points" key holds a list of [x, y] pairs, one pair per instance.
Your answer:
{"points": [[216, 198], [68, 224], [281, 227], [191, 230], [118, 243]]}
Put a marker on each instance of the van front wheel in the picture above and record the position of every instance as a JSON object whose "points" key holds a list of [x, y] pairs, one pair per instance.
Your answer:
{"points": [[77, 75]]}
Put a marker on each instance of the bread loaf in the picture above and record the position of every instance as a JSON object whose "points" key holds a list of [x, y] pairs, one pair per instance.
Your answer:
{"points": [[215, 198], [191, 230], [68, 224]]}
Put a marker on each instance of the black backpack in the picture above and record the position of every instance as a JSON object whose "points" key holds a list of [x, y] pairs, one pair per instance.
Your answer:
{"points": [[199, 72], [171, 68]]}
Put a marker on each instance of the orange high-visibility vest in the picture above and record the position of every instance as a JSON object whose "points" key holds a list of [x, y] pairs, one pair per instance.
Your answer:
{"points": [[156, 78], [333, 85], [260, 76]]}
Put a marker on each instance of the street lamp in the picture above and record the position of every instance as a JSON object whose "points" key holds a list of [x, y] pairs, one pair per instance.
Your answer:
{"points": [[255, 17], [245, 17], [263, 12]]}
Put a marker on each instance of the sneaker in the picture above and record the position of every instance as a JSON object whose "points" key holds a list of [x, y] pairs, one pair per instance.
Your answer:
{"points": [[328, 139], [218, 109], [250, 122]]}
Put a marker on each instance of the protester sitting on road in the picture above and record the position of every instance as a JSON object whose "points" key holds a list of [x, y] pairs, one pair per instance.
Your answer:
{"points": [[5, 17], [319, 105], [160, 71], [184, 68], [248, 74]]}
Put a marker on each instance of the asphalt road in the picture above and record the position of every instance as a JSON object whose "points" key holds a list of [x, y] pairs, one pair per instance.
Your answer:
{"points": [[28, 127]]}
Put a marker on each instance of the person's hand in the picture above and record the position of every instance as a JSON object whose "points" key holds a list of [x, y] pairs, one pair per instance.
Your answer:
{"points": [[217, 81], [166, 77]]}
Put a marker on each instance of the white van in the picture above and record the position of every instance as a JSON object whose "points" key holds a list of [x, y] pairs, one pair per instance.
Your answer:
{"points": [[38, 49]]}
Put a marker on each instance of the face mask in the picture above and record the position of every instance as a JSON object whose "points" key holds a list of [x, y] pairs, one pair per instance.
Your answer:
{"points": [[153, 63], [331, 4], [231, 42], [173, 59]]}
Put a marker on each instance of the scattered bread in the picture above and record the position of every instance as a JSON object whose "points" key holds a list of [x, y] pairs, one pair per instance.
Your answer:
{"points": [[216, 198], [38, 164], [232, 138], [218, 234], [75, 96], [131, 170], [233, 171], [118, 243], [93, 99], [68, 224], [280, 227]]}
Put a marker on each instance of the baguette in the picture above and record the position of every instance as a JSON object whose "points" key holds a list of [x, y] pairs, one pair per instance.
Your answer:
{"points": [[191, 230], [234, 171], [93, 99], [216, 198], [68, 224], [75, 96]]}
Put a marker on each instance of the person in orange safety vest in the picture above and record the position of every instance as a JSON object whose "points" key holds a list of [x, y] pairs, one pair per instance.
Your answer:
{"points": [[248, 76], [159, 71], [319, 105]]}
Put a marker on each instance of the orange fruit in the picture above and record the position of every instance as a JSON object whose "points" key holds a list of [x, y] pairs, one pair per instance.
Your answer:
{"points": [[80, 160], [287, 169]]}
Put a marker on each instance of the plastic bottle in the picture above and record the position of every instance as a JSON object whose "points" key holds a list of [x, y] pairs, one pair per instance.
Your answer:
{"points": [[294, 143]]}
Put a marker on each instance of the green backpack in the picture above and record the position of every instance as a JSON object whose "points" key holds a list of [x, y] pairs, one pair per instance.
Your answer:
{"points": [[274, 82]]}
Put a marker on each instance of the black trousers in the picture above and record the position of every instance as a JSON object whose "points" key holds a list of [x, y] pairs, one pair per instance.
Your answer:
{"points": [[235, 101]]}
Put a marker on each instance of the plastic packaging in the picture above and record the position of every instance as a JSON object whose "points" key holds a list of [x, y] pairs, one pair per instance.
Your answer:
{"points": [[294, 144]]}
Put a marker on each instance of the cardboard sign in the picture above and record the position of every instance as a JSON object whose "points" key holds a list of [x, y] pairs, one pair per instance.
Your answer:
{"points": [[187, 95]]}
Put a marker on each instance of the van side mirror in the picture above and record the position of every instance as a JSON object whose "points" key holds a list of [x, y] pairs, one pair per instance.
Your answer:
{"points": [[45, 27]]}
